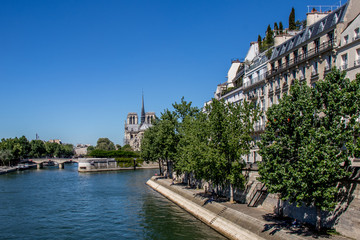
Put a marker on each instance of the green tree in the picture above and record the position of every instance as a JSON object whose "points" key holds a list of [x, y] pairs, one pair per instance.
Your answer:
{"points": [[38, 149], [276, 28], [5, 156], [292, 24], [105, 144], [150, 150], [90, 148], [126, 147], [308, 140], [269, 38], [230, 127], [260, 42], [281, 28]]}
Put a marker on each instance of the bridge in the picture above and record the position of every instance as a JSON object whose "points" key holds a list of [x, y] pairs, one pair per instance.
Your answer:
{"points": [[60, 161]]}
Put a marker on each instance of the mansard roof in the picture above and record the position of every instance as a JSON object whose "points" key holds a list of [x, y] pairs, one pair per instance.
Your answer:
{"points": [[318, 28]]}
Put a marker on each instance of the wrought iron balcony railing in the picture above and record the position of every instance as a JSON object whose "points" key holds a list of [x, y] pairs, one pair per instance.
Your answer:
{"points": [[301, 57]]}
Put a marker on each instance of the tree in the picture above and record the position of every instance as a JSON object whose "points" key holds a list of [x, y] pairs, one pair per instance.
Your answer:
{"points": [[37, 149], [149, 148], [259, 42], [281, 28], [126, 147], [292, 24], [5, 156], [230, 127], [105, 144], [308, 140], [269, 38], [276, 28]]}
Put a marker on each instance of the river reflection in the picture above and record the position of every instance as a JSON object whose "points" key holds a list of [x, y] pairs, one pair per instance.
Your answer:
{"points": [[64, 204]]}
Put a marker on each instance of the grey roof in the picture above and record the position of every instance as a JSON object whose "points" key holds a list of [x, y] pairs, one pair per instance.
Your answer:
{"points": [[311, 31]]}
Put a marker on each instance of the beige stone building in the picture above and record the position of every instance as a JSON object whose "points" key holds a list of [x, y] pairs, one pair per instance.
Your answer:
{"points": [[134, 131]]}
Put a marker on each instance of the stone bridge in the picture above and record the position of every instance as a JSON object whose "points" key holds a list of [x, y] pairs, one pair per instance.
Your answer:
{"points": [[60, 161]]}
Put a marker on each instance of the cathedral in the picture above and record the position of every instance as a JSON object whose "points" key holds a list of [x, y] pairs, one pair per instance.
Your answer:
{"points": [[134, 131]]}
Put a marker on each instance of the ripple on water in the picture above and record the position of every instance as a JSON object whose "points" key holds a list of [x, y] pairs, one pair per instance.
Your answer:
{"points": [[54, 204]]}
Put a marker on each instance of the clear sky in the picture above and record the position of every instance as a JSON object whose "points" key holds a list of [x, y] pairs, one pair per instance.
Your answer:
{"points": [[73, 69]]}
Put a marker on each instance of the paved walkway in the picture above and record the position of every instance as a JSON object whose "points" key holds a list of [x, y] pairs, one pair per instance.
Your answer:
{"points": [[256, 220]]}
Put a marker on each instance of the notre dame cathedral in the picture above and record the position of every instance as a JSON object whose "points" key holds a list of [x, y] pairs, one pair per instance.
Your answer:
{"points": [[134, 131]]}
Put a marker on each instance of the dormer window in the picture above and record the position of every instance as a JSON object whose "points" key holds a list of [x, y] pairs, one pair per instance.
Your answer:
{"points": [[309, 32], [321, 27], [336, 17], [356, 33]]}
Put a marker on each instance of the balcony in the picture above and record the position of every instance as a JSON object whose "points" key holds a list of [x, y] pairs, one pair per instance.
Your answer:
{"points": [[357, 62], [301, 58], [255, 80]]}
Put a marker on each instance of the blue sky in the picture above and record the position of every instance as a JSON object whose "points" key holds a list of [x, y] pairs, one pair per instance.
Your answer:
{"points": [[73, 69]]}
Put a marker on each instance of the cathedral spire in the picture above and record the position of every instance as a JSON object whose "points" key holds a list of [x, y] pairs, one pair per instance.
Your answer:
{"points": [[142, 110]]}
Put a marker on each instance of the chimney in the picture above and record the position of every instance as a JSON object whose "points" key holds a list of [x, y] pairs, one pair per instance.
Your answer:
{"points": [[314, 16]]}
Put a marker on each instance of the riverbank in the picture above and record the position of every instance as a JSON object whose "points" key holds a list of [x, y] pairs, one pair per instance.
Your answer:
{"points": [[4, 169], [235, 221]]}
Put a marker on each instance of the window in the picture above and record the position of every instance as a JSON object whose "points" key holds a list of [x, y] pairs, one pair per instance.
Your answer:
{"points": [[287, 59], [304, 50], [285, 77], [344, 62], [356, 33], [330, 36], [328, 62], [294, 74], [335, 19], [296, 54], [317, 44], [321, 27], [303, 72], [346, 39], [315, 68]]}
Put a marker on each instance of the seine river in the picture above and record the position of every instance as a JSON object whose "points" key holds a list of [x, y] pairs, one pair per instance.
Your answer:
{"points": [[64, 204]]}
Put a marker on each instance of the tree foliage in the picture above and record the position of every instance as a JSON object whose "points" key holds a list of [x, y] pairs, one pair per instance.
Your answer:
{"points": [[308, 140], [105, 144], [292, 24]]}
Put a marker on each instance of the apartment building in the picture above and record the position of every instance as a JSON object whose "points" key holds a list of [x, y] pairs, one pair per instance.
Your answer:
{"points": [[348, 51], [330, 38]]}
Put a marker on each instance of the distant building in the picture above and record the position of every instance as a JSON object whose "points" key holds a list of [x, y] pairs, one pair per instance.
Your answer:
{"points": [[81, 149], [134, 131], [58, 141]]}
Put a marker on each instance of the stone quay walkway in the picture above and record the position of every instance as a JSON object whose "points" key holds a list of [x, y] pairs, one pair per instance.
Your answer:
{"points": [[235, 221]]}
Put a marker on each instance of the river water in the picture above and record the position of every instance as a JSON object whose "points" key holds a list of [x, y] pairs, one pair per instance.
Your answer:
{"points": [[63, 204]]}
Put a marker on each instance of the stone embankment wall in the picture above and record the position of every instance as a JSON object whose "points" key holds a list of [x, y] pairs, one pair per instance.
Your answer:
{"points": [[226, 227], [345, 219]]}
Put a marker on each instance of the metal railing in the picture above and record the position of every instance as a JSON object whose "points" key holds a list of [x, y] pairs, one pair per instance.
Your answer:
{"points": [[255, 80], [301, 57]]}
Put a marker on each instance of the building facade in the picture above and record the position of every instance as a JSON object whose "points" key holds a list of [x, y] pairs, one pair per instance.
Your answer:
{"points": [[134, 131]]}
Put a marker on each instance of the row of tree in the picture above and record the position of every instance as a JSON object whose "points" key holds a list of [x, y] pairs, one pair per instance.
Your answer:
{"points": [[15, 149], [309, 139], [208, 144]]}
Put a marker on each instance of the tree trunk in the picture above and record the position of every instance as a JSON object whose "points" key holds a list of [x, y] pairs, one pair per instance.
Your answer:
{"points": [[318, 219], [231, 193], [160, 168]]}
